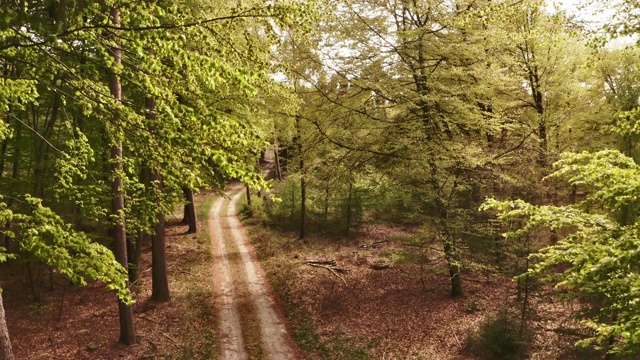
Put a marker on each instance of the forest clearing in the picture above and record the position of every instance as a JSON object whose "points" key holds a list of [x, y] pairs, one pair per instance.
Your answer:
{"points": [[319, 179]]}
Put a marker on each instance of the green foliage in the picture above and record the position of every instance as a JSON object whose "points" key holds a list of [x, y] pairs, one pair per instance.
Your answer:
{"points": [[598, 259], [194, 112], [498, 337], [44, 235]]}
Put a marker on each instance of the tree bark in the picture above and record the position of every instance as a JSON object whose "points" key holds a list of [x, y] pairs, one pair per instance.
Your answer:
{"points": [[3, 154], [190, 211], [325, 212], [303, 205], [454, 268], [6, 353], [348, 227], [127, 328], [277, 161], [160, 282], [303, 183], [248, 190], [159, 278]]}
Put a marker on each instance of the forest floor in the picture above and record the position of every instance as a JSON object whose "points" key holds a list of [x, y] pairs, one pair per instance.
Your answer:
{"points": [[403, 311], [83, 323]]}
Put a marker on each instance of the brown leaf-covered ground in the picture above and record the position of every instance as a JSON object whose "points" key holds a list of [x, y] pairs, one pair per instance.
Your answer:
{"points": [[403, 312], [184, 327]]}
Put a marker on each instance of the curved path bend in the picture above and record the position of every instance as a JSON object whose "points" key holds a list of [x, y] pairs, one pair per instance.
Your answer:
{"points": [[229, 244]]}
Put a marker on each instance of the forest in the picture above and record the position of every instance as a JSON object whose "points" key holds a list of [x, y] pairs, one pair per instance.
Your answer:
{"points": [[416, 179]]}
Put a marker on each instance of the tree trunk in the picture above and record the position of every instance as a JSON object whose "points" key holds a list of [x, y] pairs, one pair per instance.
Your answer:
{"points": [[3, 154], [127, 328], [449, 246], [303, 205], [160, 282], [32, 282], [159, 279], [248, 195], [190, 211], [325, 212], [134, 270], [277, 161], [303, 183], [6, 353], [348, 227], [454, 268]]}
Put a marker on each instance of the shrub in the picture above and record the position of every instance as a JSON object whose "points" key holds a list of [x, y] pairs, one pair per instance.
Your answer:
{"points": [[499, 337]]}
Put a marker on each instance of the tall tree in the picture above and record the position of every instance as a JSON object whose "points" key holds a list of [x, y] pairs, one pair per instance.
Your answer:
{"points": [[127, 327]]}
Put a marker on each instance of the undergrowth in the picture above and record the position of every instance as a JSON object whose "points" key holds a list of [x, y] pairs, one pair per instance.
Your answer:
{"points": [[499, 338]]}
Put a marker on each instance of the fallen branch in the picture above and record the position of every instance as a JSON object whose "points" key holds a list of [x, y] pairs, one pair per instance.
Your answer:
{"points": [[379, 266], [456, 337], [321, 262], [186, 272], [329, 265], [374, 245], [172, 339]]}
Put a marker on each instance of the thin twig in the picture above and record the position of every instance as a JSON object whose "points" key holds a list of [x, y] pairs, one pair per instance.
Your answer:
{"points": [[172, 339]]}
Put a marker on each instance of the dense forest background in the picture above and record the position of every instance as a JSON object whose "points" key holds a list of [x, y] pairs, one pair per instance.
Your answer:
{"points": [[504, 133]]}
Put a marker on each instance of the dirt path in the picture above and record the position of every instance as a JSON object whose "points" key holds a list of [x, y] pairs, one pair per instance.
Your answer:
{"points": [[230, 244]]}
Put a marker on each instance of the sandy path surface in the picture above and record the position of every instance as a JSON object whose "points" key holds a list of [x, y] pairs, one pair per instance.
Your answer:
{"points": [[228, 230], [230, 331]]}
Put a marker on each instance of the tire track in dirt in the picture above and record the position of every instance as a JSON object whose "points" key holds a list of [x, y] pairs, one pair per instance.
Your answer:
{"points": [[274, 333], [231, 340], [275, 341]]}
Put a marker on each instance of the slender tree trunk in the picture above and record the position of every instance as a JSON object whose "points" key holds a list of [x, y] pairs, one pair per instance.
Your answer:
{"points": [[248, 191], [525, 300], [160, 282], [303, 183], [32, 282], [190, 211], [159, 279], [127, 328], [134, 268], [6, 353], [348, 227], [277, 161], [42, 148], [303, 205], [449, 246], [3, 154], [325, 213]]}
